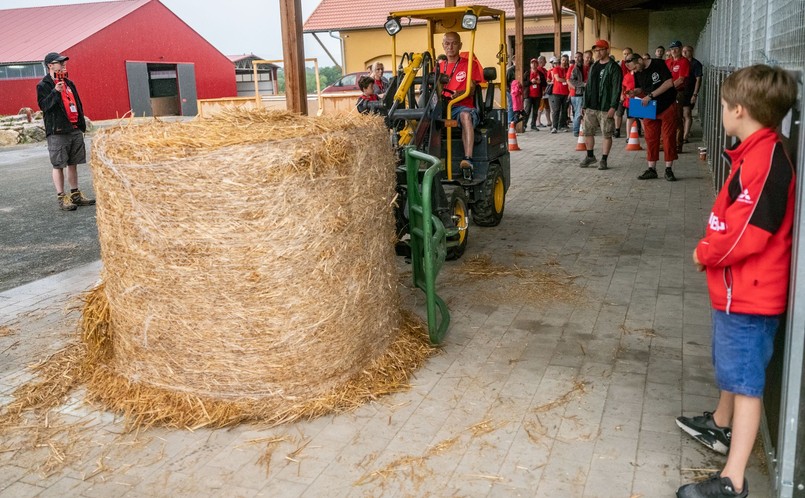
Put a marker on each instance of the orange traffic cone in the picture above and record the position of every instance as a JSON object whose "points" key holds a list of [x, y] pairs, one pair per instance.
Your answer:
{"points": [[513, 138], [580, 144], [634, 139]]}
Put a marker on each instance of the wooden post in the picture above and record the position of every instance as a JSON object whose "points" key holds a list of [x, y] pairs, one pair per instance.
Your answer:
{"points": [[597, 24], [449, 3], [557, 26], [293, 53], [581, 8], [519, 40]]}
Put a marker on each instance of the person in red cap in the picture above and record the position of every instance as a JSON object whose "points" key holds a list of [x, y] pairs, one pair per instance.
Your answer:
{"points": [[601, 99], [64, 127]]}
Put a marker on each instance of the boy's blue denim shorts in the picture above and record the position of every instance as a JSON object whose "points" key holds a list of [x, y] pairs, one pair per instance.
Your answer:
{"points": [[457, 110], [742, 348]]}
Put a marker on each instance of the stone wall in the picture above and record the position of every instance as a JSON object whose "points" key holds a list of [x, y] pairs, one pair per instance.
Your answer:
{"points": [[25, 127]]}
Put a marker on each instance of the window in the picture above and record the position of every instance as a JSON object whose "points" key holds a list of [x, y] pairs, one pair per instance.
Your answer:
{"points": [[18, 71]]}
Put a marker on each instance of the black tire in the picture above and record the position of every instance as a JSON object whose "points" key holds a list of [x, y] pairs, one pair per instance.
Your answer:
{"points": [[459, 209], [488, 210]]}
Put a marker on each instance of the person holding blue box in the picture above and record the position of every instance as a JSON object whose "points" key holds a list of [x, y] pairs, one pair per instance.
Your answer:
{"points": [[655, 85]]}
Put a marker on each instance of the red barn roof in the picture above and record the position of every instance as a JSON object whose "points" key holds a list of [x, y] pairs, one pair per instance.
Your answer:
{"points": [[343, 15], [24, 37]]}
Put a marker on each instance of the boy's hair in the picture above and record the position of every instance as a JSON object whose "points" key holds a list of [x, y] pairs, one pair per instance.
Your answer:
{"points": [[767, 93], [365, 81]]}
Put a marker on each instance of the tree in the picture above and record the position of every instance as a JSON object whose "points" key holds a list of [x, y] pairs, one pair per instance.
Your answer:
{"points": [[327, 75]]}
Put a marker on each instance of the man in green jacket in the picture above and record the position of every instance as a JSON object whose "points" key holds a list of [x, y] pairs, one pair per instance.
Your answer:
{"points": [[601, 99]]}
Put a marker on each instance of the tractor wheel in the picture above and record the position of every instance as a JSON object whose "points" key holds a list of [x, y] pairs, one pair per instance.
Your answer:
{"points": [[459, 209], [488, 211]]}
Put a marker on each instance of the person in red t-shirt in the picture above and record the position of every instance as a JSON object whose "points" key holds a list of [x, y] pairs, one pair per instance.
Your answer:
{"points": [[456, 66], [680, 71], [560, 94], [64, 127], [532, 94]]}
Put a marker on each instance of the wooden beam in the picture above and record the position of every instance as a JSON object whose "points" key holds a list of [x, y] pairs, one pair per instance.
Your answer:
{"points": [[449, 3], [557, 26], [597, 24], [581, 8], [293, 53]]}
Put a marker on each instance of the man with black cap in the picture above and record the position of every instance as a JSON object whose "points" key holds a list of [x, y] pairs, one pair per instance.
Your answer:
{"points": [[680, 71], [64, 126]]}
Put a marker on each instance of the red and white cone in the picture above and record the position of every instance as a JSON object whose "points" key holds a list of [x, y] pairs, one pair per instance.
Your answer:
{"points": [[634, 139], [580, 144], [513, 138]]}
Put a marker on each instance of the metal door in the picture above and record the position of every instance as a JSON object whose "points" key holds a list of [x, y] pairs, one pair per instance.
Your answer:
{"points": [[139, 92], [187, 89]]}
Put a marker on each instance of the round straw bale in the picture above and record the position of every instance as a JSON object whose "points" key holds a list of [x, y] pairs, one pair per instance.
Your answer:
{"points": [[248, 260]]}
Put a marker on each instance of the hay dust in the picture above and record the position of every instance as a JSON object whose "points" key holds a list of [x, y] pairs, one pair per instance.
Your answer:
{"points": [[416, 469], [505, 284]]}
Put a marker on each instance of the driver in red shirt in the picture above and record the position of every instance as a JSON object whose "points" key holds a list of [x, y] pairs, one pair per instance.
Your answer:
{"points": [[456, 66]]}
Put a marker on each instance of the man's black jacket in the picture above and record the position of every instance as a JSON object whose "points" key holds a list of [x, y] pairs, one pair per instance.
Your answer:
{"points": [[50, 101]]}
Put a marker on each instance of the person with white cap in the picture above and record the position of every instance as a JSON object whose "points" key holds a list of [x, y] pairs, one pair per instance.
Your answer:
{"points": [[65, 125]]}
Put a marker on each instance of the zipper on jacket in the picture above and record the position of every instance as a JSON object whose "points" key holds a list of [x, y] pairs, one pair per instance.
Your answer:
{"points": [[728, 285]]}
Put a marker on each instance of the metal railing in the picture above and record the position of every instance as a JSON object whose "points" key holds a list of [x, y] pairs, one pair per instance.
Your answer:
{"points": [[739, 33]]}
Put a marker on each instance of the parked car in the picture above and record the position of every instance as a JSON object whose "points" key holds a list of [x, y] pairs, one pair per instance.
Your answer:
{"points": [[349, 82]]}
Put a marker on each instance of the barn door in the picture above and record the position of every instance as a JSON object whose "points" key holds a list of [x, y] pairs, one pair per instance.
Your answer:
{"points": [[139, 93], [187, 88]]}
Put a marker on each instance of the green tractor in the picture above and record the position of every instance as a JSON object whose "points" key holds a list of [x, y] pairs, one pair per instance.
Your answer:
{"points": [[417, 113]]}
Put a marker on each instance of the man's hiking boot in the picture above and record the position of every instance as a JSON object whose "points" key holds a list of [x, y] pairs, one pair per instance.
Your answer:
{"points": [[66, 203], [704, 430], [649, 174], [713, 487], [588, 161], [79, 200], [602, 164], [669, 175]]}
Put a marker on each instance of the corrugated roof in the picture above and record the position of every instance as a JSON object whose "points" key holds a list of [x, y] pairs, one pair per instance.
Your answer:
{"points": [[342, 15], [29, 34]]}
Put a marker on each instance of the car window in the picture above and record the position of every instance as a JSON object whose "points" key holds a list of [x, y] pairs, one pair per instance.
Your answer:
{"points": [[348, 80]]}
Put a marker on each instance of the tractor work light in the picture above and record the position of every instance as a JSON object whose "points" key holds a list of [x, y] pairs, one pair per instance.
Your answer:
{"points": [[392, 26], [469, 21]]}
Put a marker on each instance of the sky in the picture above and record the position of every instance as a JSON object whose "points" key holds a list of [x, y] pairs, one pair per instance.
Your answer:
{"points": [[233, 27]]}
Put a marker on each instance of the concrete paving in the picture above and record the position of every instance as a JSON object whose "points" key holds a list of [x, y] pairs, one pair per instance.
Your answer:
{"points": [[570, 392]]}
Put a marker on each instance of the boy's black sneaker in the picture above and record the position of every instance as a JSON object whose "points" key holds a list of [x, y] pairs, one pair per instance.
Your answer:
{"points": [[713, 487], [649, 174], [669, 175], [704, 430]]}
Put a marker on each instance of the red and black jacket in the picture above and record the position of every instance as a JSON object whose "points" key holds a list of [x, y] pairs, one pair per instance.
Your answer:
{"points": [[747, 245]]}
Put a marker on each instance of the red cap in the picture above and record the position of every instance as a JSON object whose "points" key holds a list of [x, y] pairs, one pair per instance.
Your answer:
{"points": [[601, 44]]}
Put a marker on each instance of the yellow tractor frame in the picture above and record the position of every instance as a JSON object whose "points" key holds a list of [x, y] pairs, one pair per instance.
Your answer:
{"points": [[445, 20]]}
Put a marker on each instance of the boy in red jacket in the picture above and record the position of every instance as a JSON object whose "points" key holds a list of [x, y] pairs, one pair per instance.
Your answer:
{"points": [[746, 252]]}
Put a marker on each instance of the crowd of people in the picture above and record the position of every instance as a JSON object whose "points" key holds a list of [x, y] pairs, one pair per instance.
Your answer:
{"points": [[565, 94]]}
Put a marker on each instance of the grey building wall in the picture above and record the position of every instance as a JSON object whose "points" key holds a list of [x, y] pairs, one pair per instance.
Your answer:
{"points": [[684, 25]]}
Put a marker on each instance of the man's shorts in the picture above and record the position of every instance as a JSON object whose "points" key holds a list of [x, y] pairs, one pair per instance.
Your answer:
{"points": [[685, 100], [473, 115], [67, 148], [593, 120], [620, 110], [742, 348]]}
